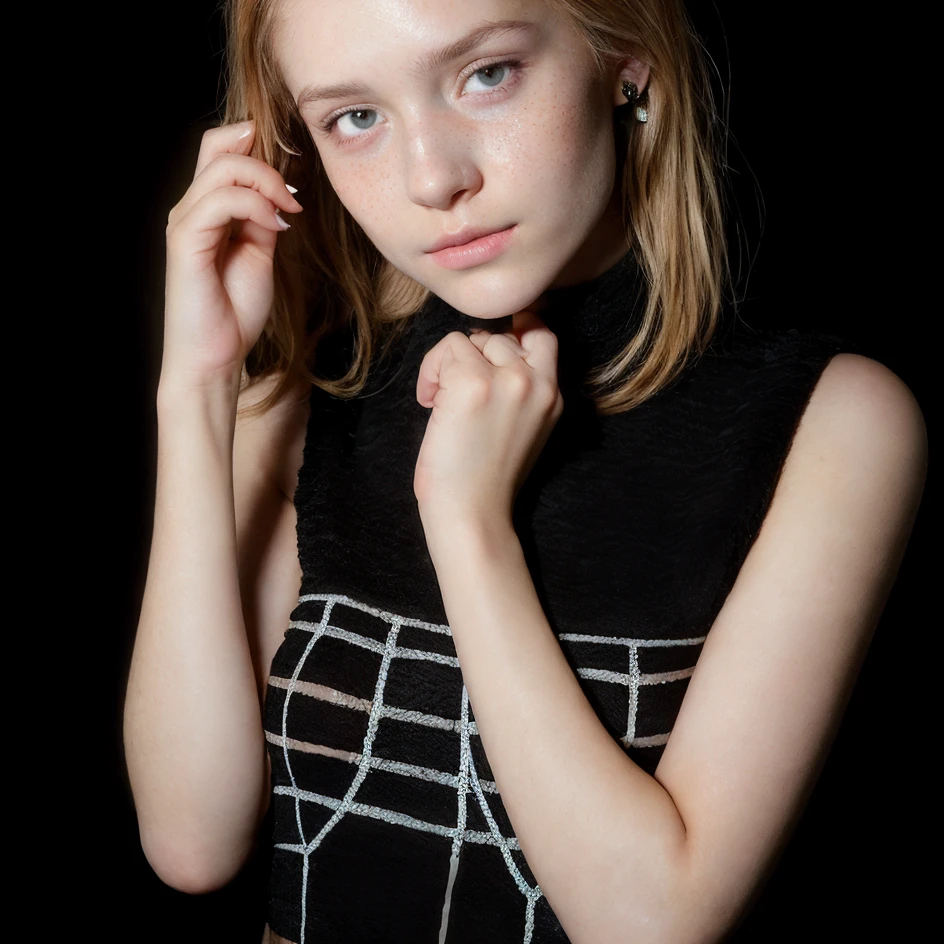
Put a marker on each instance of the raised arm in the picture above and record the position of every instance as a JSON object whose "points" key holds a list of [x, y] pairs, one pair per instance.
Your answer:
{"points": [[674, 858], [223, 573]]}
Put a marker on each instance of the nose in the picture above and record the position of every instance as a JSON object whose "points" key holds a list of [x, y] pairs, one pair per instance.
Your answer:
{"points": [[440, 162]]}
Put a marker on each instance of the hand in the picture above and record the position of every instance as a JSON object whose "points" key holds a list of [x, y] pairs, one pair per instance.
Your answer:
{"points": [[495, 400], [220, 243]]}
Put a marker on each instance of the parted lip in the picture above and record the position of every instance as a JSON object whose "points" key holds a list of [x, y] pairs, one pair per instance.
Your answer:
{"points": [[465, 235]]}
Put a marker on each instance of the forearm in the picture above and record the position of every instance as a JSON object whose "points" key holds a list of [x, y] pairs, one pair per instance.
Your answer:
{"points": [[193, 730], [603, 838]]}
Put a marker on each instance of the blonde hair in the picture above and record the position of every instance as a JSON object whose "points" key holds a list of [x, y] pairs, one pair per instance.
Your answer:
{"points": [[330, 278]]}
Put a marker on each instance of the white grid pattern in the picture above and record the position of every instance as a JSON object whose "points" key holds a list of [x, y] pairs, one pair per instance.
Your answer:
{"points": [[467, 777]]}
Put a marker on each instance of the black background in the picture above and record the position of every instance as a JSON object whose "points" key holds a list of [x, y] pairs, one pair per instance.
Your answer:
{"points": [[815, 117]]}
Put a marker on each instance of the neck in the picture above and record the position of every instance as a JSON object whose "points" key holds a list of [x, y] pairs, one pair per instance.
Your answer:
{"points": [[593, 319]]}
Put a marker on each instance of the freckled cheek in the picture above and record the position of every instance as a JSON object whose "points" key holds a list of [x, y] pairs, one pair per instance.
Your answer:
{"points": [[585, 152], [559, 145], [367, 194], [519, 157]]}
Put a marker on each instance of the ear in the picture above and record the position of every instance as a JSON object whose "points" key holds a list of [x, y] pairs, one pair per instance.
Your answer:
{"points": [[631, 70]]}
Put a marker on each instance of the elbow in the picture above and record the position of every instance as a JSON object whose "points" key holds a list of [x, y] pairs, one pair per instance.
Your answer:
{"points": [[683, 905], [189, 866]]}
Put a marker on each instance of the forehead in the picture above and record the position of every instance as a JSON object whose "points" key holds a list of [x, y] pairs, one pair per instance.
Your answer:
{"points": [[329, 40]]}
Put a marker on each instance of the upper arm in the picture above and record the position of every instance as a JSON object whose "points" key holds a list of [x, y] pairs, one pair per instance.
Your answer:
{"points": [[778, 666], [267, 454]]}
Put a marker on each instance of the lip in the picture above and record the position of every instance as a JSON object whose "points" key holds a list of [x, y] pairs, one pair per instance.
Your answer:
{"points": [[470, 247]]}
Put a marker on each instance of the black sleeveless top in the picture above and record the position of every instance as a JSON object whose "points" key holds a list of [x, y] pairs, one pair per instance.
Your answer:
{"points": [[388, 826]]}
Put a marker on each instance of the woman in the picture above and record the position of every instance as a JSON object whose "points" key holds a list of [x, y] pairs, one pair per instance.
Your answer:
{"points": [[525, 460]]}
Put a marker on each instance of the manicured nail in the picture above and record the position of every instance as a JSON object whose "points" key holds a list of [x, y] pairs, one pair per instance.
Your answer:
{"points": [[291, 189], [247, 132], [281, 223]]}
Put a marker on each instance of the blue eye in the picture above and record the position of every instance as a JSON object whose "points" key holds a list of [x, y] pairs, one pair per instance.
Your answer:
{"points": [[363, 119], [357, 116], [501, 67]]}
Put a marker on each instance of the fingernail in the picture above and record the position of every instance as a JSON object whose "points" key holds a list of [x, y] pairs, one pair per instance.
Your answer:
{"points": [[282, 224], [247, 132], [293, 190]]}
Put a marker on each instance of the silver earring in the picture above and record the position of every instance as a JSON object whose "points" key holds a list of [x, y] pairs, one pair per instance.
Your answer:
{"points": [[631, 91]]}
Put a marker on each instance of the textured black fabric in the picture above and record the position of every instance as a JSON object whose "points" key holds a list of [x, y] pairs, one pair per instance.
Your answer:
{"points": [[387, 822]]}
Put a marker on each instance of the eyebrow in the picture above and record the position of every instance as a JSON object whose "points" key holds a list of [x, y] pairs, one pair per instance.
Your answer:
{"points": [[433, 60]]}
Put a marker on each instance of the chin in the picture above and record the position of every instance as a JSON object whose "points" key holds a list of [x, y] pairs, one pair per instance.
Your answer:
{"points": [[488, 295]]}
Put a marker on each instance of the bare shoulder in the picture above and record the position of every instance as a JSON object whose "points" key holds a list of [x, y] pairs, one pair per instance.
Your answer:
{"points": [[867, 388], [269, 446], [861, 416]]}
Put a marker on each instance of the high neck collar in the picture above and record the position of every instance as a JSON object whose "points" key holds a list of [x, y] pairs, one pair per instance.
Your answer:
{"points": [[593, 320]]}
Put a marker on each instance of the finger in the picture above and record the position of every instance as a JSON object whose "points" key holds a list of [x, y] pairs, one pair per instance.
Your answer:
{"points": [[210, 217], [237, 170], [235, 138], [248, 231], [455, 346], [530, 379], [501, 350], [538, 341]]}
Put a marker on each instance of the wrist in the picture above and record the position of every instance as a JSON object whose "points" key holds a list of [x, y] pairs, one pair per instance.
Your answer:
{"points": [[211, 401], [447, 526], [181, 389]]}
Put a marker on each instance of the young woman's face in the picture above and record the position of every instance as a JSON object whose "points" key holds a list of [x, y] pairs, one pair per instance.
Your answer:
{"points": [[513, 132]]}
